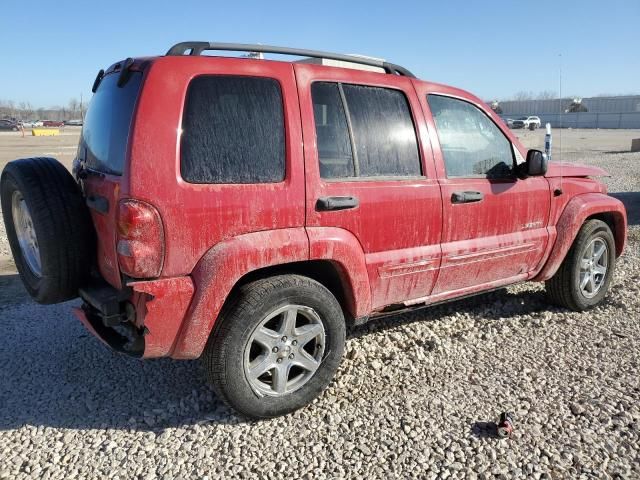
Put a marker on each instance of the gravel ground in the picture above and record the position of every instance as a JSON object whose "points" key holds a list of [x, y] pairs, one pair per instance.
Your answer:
{"points": [[412, 398]]}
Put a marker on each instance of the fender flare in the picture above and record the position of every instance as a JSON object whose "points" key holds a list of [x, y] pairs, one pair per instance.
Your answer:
{"points": [[576, 212], [342, 248], [220, 269]]}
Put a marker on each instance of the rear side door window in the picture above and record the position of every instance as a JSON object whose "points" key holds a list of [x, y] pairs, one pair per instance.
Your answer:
{"points": [[332, 132], [233, 131], [364, 131], [472, 145]]}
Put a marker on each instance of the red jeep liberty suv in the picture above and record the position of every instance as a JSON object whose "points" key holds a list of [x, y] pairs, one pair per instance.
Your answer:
{"points": [[244, 210]]}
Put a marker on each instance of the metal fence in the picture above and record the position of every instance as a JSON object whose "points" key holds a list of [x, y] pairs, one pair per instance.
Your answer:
{"points": [[587, 119], [623, 104]]}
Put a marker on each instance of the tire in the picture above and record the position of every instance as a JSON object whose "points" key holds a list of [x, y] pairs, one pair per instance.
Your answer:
{"points": [[564, 288], [230, 347], [60, 228]]}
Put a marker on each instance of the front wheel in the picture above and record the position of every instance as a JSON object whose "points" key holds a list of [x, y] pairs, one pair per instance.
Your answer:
{"points": [[276, 347], [583, 279]]}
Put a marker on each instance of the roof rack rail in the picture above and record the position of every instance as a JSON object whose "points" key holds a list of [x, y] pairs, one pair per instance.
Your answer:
{"points": [[196, 48]]}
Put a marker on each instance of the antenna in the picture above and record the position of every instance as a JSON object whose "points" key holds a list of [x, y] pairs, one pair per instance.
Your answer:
{"points": [[561, 119]]}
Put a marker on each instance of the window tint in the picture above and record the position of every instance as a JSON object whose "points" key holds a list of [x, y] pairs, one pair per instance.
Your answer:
{"points": [[383, 131], [332, 133], [472, 145], [107, 123], [233, 131]]}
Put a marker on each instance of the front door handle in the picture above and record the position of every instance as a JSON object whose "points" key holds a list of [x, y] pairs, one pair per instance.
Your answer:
{"points": [[466, 197], [325, 204]]}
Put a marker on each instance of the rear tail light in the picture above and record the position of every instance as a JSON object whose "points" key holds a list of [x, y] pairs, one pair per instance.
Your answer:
{"points": [[140, 239]]}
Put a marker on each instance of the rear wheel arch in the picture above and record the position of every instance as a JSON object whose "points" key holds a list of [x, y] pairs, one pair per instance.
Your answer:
{"points": [[338, 265], [328, 273]]}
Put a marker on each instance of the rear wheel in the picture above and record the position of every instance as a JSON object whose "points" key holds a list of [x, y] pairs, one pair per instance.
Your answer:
{"points": [[48, 226], [585, 275], [276, 347]]}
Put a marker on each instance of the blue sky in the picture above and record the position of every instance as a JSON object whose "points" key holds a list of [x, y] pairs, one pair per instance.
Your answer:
{"points": [[51, 50]]}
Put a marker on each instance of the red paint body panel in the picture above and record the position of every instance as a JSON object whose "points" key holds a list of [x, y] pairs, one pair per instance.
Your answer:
{"points": [[465, 291], [342, 247], [397, 222], [109, 188], [578, 209], [500, 237], [196, 217], [221, 268], [565, 169], [160, 307]]}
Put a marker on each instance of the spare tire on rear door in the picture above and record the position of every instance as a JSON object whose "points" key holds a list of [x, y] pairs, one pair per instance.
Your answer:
{"points": [[49, 228]]}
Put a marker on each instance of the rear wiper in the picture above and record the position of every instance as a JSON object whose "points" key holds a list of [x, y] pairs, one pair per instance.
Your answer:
{"points": [[85, 172], [96, 82], [125, 73]]}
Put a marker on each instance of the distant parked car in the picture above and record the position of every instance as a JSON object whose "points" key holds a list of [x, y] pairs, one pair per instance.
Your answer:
{"points": [[524, 122], [9, 125], [508, 122], [36, 123], [27, 123], [52, 123], [74, 123]]}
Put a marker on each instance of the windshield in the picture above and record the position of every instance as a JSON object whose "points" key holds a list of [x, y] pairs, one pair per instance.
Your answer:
{"points": [[107, 123]]}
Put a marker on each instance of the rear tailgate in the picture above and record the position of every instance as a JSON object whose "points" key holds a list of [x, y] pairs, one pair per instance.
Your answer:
{"points": [[103, 157]]}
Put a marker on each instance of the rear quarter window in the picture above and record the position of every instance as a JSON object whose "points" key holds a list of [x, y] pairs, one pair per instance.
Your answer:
{"points": [[233, 131]]}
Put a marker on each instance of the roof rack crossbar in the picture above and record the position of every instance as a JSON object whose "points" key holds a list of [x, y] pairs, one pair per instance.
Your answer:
{"points": [[196, 48]]}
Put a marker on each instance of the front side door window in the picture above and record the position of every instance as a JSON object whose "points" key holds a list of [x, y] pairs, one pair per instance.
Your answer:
{"points": [[472, 145]]}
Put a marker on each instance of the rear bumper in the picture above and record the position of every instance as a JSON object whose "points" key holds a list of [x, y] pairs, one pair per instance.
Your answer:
{"points": [[142, 321]]}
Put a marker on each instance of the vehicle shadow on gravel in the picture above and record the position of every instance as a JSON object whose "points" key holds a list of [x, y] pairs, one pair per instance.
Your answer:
{"points": [[11, 290], [106, 390], [495, 305], [484, 430], [56, 374], [631, 202]]}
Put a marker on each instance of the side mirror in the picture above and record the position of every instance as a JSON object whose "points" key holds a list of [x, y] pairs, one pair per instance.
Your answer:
{"points": [[536, 164]]}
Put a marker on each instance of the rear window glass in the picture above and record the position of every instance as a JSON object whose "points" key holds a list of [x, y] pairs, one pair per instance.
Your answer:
{"points": [[233, 131], [107, 123]]}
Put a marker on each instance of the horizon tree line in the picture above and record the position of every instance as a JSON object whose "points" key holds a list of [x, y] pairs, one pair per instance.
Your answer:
{"points": [[26, 111]]}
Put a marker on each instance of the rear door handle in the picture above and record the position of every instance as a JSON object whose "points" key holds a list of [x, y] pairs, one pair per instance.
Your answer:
{"points": [[466, 197], [325, 204]]}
